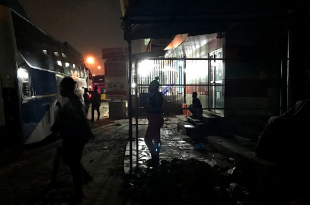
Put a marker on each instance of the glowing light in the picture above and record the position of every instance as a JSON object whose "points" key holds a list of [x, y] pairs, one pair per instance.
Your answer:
{"points": [[22, 73], [90, 60], [145, 68], [133, 85], [99, 67], [181, 63]]}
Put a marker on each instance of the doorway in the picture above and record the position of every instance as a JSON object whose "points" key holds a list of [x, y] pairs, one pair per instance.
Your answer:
{"points": [[216, 84]]}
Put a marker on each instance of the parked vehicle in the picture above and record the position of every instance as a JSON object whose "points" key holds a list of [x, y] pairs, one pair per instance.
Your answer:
{"points": [[32, 65], [99, 80]]}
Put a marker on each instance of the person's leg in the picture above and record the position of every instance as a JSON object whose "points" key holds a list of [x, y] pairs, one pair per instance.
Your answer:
{"points": [[148, 139], [76, 172], [86, 112], [92, 112], [98, 112], [153, 133], [193, 111], [157, 145], [74, 163], [157, 142], [56, 165]]}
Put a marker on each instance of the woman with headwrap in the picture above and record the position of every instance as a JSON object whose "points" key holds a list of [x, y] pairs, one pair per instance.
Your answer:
{"points": [[156, 121]]}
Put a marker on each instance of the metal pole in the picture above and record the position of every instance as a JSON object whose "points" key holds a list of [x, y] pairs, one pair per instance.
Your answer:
{"points": [[136, 116], [128, 27], [288, 62], [209, 81], [184, 80]]}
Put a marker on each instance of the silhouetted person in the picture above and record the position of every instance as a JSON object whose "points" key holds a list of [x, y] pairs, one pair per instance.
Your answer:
{"points": [[86, 101], [156, 121], [95, 103], [195, 108], [71, 124]]}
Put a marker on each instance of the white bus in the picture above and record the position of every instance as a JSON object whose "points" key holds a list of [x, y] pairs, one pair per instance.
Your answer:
{"points": [[32, 64]]}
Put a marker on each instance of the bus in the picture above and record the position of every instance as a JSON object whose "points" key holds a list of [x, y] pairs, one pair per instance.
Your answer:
{"points": [[99, 81], [32, 65]]}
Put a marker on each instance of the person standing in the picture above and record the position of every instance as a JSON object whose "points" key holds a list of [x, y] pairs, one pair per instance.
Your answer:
{"points": [[72, 126], [155, 122], [195, 108], [86, 101], [95, 103]]}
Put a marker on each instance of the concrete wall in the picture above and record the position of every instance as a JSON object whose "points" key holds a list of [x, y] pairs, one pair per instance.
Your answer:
{"points": [[252, 71]]}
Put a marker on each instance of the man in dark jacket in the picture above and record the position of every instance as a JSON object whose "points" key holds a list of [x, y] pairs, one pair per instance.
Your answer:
{"points": [[72, 126], [195, 108], [95, 103]]}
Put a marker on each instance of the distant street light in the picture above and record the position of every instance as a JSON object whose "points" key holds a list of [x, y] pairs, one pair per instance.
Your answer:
{"points": [[90, 60]]}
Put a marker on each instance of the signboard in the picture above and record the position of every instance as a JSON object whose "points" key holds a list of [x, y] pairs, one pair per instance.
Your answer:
{"points": [[113, 53], [115, 73], [115, 68], [116, 87]]}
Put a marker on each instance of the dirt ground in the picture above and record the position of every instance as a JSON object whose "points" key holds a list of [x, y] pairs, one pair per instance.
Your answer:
{"points": [[186, 175], [25, 174], [25, 180]]}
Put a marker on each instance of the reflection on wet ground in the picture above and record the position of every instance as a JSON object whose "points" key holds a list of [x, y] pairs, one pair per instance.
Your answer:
{"points": [[175, 145]]}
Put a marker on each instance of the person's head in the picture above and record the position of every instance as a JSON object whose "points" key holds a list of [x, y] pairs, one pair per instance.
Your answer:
{"points": [[194, 95], [85, 90], [154, 85], [67, 86], [95, 88]]}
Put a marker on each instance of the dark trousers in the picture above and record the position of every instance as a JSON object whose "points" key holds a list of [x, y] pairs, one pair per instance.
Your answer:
{"points": [[72, 158], [152, 135], [93, 108], [86, 109]]}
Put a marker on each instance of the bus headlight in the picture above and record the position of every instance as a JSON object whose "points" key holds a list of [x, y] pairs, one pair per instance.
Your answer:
{"points": [[22, 74]]}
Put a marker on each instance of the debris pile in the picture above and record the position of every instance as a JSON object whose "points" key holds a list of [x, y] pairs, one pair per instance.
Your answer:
{"points": [[186, 182]]}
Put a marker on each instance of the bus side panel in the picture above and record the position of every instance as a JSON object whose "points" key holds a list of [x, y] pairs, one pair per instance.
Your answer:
{"points": [[37, 119], [37, 110], [9, 101], [11, 132]]}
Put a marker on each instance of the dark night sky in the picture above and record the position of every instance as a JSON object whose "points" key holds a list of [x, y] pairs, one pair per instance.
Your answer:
{"points": [[88, 25]]}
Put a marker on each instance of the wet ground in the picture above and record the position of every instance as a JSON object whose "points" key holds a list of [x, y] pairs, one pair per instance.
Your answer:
{"points": [[175, 145], [189, 173]]}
